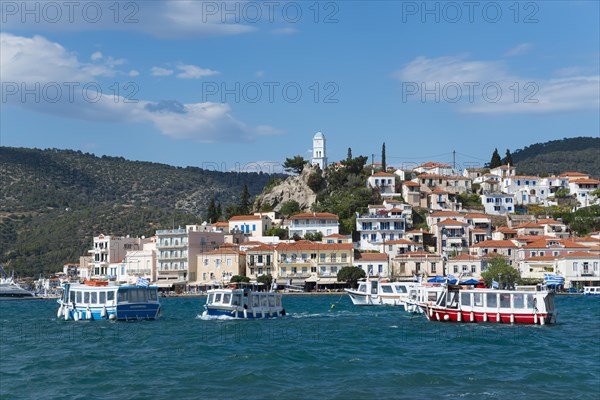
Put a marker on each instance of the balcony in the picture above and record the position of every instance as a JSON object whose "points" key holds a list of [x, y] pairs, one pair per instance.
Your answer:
{"points": [[171, 231]]}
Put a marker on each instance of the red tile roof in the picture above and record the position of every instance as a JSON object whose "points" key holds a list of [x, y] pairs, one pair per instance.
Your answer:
{"points": [[433, 164], [401, 241], [566, 174], [543, 243], [464, 257], [445, 214], [548, 222], [244, 217], [383, 174], [315, 215], [584, 181], [496, 243], [451, 222], [410, 183], [307, 245], [582, 254], [370, 257], [478, 215]]}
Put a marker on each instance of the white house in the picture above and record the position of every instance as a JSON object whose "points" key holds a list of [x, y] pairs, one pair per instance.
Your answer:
{"points": [[381, 224], [582, 189], [436, 168], [313, 222], [374, 264], [504, 171], [252, 225], [384, 182], [498, 203]]}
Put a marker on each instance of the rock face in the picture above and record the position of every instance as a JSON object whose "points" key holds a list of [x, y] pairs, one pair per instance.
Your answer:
{"points": [[293, 188]]}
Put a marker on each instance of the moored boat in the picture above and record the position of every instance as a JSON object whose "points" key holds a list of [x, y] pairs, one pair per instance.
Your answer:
{"points": [[375, 292], [243, 303], [96, 300], [591, 291], [456, 304]]}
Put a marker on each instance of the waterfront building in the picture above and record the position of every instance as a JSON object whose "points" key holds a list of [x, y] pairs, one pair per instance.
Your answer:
{"points": [[177, 253], [383, 223], [374, 264], [418, 263], [313, 222], [251, 225], [219, 265], [108, 252]]}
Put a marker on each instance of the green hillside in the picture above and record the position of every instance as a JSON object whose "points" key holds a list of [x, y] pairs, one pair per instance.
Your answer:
{"points": [[52, 202], [580, 154]]}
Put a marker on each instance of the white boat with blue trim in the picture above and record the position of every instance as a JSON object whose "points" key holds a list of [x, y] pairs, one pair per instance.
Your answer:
{"points": [[97, 300], [591, 291], [378, 292], [242, 303]]}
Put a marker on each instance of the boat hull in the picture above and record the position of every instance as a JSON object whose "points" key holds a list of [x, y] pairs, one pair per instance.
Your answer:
{"points": [[447, 315], [125, 312], [237, 314], [362, 299]]}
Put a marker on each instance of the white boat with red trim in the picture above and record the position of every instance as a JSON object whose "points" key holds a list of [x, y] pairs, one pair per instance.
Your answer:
{"points": [[490, 305]]}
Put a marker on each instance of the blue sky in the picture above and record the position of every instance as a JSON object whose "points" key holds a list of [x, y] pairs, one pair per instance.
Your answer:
{"points": [[224, 85]]}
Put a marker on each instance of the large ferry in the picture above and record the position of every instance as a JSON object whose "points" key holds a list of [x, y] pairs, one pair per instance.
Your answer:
{"points": [[95, 300], [243, 303], [456, 304], [375, 292]]}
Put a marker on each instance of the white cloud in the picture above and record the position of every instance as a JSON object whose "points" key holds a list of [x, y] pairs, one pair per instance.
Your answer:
{"points": [[488, 87], [31, 61], [133, 73], [518, 50], [158, 71], [194, 72], [160, 18], [259, 74], [96, 56]]}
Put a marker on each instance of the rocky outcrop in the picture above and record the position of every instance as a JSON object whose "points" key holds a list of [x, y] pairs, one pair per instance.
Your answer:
{"points": [[292, 188]]}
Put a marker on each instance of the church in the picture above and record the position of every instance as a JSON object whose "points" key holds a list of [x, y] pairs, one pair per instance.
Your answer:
{"points": [[319, 154]]}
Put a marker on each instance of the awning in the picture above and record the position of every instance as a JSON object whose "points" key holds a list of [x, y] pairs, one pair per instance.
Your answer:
{"points": [[164, 284], [328, 281], [312, 279]]}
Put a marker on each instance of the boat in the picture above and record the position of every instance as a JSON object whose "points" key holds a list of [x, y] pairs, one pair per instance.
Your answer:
{"points": [[97, 300], [9, 290], [375, 292], [242, 303], [456, 304], [422, 293], [591, 291]]}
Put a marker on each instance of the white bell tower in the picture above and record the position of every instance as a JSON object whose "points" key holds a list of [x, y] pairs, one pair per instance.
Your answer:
{"points": [[319, 154]]}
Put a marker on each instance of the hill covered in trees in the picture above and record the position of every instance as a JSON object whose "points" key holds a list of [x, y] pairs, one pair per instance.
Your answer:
{"points": [[52, 202], [580, 154]]}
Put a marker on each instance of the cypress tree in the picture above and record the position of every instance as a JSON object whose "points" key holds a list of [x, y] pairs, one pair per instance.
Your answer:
{"points": [[383, 163], [508, 158], [496, 160], [349, 154], [244, 207]]}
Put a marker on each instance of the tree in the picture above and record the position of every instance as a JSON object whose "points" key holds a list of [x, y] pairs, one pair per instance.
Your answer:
{"points": [[355, 165], [239, 278], [508, 158], [350, 275], [212, 214], [244, 207], [289, 208], [496, 160], [295, 164], [279, 232], [313, 237], [316, 181], [500, 271], [383, 163], [349, 154], [267, 280]]}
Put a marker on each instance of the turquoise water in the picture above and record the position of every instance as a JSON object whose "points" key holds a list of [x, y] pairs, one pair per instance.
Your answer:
{"points": [[315, 352]]}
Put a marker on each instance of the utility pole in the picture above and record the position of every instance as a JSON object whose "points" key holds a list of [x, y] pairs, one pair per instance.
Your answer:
{"points": [[454, 159]]}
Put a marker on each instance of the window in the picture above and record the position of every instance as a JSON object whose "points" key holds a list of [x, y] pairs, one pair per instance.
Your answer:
{"points": [[433, 267], [478, 299], [86, 297], [465, 299], [334, 270], [456, 269], [473, 269], [94, 298], [575, 267], [322, 257], [344, 257], [102, 297], [518, 301], [491, 299], [386, 289], [505, 300], [110, 296]]}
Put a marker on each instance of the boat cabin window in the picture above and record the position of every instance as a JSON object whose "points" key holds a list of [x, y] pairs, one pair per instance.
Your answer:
{"points": [[518, 301], [505, 300], [226, 298], [263, 301], [218, 298], [94, 298], [237, 299], [529, 300], [209, 300], [255, 301], [123, 297], [102, 297], [478, 299], [386, 289], [374, 287], [401, 289], [138, 295], [465, 299], [432, 296], [362, 288], [71, 296], [278, 301], [86, 297], [271, 301], [491, 299], [152, 294], [110, 296]]}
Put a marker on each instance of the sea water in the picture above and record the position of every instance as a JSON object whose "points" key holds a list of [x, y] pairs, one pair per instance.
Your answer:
{"points": [[324, 348]]}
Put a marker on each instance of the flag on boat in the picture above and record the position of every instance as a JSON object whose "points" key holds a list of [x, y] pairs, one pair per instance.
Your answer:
{"points": [[553, 280], [495, 285], [143, 282]]}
